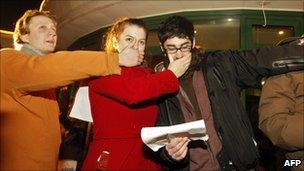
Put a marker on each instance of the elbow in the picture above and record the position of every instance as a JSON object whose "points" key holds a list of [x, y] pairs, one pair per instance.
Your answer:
{"points": [[132, 100]]}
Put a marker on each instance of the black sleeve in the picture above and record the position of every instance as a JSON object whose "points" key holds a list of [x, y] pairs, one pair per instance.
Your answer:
{"points": [[170, 114], [70, 148], [171, 164], [250, 65]]}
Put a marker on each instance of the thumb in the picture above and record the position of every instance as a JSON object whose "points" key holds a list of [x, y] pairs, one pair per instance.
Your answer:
{"points": [[132, 43]]}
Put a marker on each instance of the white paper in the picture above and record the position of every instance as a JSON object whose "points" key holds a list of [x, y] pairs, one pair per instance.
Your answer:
{"points": [[157, 137], [81, 108]]}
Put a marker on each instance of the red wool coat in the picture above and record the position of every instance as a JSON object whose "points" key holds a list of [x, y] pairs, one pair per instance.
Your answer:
{"points": [[121, 106]]}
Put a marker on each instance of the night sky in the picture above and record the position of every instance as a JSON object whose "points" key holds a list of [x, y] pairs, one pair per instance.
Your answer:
{"points": [[11, 10]]}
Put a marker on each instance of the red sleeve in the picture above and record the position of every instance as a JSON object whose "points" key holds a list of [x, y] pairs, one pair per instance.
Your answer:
{"points": [[136, 89]]}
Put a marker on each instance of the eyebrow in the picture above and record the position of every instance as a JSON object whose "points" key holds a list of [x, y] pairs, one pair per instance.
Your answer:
{"points": [[134, 37], [130, 36], [180, 45]]}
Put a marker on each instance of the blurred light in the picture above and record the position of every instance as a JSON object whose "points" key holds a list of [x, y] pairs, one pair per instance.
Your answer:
{"points": [[281, 32], [6, 32], [195, 31], [229, 19], [212, 22]]}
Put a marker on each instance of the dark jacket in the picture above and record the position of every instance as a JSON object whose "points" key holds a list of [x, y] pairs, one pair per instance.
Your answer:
{"points": [[226, 73]]}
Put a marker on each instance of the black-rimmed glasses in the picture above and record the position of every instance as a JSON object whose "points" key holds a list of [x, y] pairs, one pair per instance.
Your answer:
{"points": [[173, 50]]}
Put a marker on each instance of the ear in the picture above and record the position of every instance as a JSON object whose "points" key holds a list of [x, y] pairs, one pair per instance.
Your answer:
{"points": [[193, 43], [25, 38]]}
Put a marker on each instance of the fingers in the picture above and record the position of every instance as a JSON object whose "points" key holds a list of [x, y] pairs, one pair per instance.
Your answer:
{"points": [[141, 56], [182, 152], [180, 66], [130, 56], [130, 45], [177, 148], [171, 59]]}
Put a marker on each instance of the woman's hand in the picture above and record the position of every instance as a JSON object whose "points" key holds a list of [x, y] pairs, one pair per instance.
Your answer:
{"points": [[130, 57]]}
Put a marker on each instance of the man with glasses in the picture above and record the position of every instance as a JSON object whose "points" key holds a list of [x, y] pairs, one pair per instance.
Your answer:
{"points": [[210, 90]]}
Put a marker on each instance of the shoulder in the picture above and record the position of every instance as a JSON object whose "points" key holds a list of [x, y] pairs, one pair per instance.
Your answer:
{"points": [[289, 78], [12, 55], [5, 51], [136, 71]]}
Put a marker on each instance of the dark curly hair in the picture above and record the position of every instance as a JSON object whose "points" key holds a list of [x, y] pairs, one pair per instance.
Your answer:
{"points": [[175, 26]]}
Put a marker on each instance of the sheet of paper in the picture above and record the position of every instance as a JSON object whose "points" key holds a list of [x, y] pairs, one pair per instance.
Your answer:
{"points": [[157, 137], [81, 108]]}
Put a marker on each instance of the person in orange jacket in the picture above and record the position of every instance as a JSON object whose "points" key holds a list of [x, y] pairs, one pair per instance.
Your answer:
{"points": [[30, 132]]}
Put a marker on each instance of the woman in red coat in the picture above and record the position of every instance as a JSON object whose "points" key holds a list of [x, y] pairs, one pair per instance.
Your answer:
{"points": [[123, 104]]}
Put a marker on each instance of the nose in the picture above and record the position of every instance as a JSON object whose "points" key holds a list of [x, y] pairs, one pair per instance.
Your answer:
{"points": [[135, 45], [179, 54], [52, 32]]}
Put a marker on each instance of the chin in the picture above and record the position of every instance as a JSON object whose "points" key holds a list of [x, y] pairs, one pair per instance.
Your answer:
{"points": [[48, 51]]}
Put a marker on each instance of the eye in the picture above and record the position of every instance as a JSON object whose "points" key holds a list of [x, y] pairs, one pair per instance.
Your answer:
{"points": [[186, 47], [42, 27], [129, 39], [171, 48], [142, 42]]}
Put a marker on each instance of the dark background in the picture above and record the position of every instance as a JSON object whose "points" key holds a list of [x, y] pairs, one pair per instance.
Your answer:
{"points": [[12, 10]]}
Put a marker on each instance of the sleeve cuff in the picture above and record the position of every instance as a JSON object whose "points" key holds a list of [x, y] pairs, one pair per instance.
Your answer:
{"points": [[113, 63]]}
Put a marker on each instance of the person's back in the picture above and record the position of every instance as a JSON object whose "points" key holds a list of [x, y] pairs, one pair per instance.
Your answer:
{"points": [[282, 112]]}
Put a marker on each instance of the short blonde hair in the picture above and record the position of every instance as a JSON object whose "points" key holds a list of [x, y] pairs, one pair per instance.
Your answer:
{"points": [[22, 25]]}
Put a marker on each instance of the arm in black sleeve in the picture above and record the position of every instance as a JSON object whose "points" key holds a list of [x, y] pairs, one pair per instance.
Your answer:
{"points": [[248, 66], [171, 164], [170, 114]]}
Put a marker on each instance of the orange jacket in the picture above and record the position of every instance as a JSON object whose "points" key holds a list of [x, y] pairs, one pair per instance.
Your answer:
{"points": [[30, 133]]}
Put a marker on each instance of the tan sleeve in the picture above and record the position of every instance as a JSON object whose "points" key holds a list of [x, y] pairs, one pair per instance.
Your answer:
{"points": [[281, 110], [56, 69]]}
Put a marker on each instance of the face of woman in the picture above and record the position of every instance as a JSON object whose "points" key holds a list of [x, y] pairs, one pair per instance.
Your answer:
{"points": [[133, 37]]}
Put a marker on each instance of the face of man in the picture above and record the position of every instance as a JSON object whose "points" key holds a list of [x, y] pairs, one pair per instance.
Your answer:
{"points": [[42, 34], [177, 48]]}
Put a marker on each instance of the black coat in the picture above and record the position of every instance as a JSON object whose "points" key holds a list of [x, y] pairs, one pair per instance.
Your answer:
{"points": [[226, 73]]}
